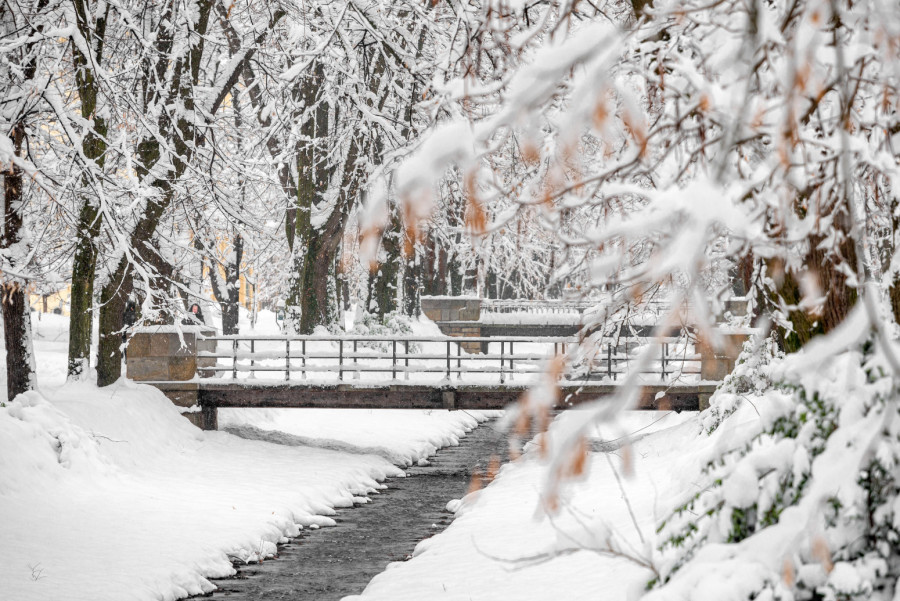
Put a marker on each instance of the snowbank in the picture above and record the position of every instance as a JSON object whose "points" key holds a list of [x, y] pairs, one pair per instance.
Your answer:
{"points": [[402, 437], [112, 494]]}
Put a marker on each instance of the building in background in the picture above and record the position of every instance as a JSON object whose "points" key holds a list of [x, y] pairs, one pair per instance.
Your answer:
{"points": [[53, 302]]}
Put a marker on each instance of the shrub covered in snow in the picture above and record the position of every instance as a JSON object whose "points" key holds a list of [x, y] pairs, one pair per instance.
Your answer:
{"points": [[749, 377], [392, 324], [800, 504]]}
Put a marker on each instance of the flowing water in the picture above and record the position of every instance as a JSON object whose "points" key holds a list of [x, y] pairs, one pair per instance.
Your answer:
{"points": [[329, 563]]}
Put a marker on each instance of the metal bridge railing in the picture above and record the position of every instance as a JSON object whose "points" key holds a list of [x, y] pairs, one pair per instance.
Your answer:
{"points": [[347, 358]]}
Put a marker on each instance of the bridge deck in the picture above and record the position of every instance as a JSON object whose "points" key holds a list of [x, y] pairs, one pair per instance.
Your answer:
{"points": [[213, 395]]}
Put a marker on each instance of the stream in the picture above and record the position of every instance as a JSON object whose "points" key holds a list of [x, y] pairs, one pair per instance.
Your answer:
{"points": [[327, 564]]}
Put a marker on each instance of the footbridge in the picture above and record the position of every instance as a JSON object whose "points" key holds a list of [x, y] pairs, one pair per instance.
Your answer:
{"points": [[202, 371], [489, 318]]}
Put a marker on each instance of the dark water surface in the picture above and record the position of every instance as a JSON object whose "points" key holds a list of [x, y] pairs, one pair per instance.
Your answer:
{"points": [[330, 563]]}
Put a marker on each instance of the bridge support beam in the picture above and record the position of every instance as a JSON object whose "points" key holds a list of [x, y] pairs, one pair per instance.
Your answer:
{"points": [[209, 417], [448, 398]]}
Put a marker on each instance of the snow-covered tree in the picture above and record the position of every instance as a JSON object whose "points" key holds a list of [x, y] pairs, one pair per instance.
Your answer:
{"points": [[682, 149]]}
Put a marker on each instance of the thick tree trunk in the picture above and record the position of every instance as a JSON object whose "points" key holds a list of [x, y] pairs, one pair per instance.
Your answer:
{"points": [[20, 370], [119, 287], [112, 311], [84, 265], [317, 305], [313, 177], [93, 145], [839, 296], [384, 281]]}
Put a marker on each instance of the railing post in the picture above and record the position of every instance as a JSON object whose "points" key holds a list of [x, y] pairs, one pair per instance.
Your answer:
{"points": [[448, 360], [502, 361], [458, 361], [406, 359], [512, 371], [252, 352], [394, 359], [355, 364], [287, 360], [234, 350], [664, 349], [340, 359], [609, 371], [303, 359]]}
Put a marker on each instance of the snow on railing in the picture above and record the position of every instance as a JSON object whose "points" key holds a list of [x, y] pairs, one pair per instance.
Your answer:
{"points": [[557, 306], [344, 358], [533, 306]]}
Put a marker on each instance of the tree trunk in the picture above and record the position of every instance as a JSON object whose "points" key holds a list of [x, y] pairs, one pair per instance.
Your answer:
{"points": [[93, 146], [232, 305], [313, 177], [412, 278], [316, 304], [181, 82], [20, 370], [119, 287], [839, 296], [384, 280]]}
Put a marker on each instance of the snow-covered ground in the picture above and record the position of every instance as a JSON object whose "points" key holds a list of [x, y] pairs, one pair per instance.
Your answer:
{"points": [[112, 494], [503, 545]]}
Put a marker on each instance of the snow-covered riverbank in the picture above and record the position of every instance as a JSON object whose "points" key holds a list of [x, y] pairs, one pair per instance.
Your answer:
{"points": [[502, 545], [112, 494]]}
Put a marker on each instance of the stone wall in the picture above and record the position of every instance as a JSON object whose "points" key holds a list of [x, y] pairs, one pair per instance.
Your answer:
{"points": [[157, 354], [451, 308], [467, 329], [456, 316]]}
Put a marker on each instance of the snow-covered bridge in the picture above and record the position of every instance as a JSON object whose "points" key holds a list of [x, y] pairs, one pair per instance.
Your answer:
{"points": [[491, 318], [205, 371]]}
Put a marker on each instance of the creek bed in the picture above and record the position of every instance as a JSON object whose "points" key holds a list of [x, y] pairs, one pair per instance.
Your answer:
{"points": [[327, 564]]}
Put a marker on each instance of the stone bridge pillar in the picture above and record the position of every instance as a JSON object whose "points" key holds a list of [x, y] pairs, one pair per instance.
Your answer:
{"points": [[157, 354], [718, 362], [456, 316]]}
